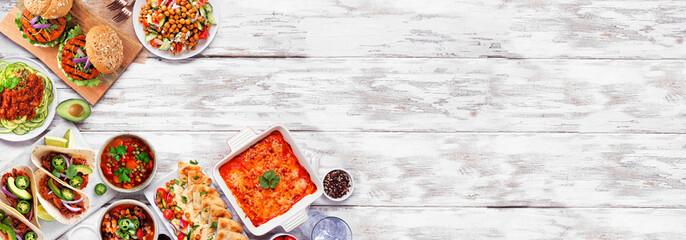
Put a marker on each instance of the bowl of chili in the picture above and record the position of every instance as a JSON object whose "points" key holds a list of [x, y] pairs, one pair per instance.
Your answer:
{"points": [[127, 163], [126, 219]]}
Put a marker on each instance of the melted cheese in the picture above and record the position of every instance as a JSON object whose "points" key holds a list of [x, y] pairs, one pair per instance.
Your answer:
{"points": [[242, 173]]}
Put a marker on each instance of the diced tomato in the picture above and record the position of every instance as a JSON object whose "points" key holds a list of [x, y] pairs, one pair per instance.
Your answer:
{"points": [[131, 164], [169, 198], [289, 238], [181, 236], [161, 192], [130, 149], [108, 171], [183, 224], [145, 24], [201, 2], [168, 214], [140, 233], [204, 33]]}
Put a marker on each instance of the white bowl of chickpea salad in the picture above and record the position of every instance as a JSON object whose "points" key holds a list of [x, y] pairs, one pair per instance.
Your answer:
{"points": [[175, 29]]}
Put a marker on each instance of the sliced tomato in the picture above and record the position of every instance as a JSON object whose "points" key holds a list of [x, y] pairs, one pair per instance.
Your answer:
{"points": [[169, 198], [181, 236], [201, 2], [204, 33], [161, 192], [168, 214]]}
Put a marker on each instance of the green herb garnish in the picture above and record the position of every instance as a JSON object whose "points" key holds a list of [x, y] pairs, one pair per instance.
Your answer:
{"points": [[143, 157], [10, 83], [119, 150], [184, 199], [194, 162], [71, 172], [214, 225], [122, 173], [269, 179]]}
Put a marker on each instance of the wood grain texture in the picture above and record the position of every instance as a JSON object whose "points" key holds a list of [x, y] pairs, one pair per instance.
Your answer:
{"points": [[415, 95], [83, 16], [633, 29]]}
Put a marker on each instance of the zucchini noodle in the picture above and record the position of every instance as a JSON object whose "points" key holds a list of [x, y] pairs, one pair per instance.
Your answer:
{"points": [[21, 126]]}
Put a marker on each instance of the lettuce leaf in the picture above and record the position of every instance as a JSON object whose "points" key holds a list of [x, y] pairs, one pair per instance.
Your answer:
{"points": [[74, 32]]}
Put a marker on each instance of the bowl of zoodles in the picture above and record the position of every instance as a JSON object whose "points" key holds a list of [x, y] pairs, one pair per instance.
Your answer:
{"points": [[26, 99]]}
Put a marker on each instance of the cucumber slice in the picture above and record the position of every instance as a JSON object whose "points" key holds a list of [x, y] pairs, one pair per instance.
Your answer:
{"points": [[8, 124], [208, 7], [210, 18], [20, 131], [199, 26], [165, 45], [150, 36], [5, 130], [203, 12]]}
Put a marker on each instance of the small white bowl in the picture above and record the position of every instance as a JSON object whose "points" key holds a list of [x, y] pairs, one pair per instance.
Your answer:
{"points": [[139, 187], [350, 191], [282, 235], [127, 201]]}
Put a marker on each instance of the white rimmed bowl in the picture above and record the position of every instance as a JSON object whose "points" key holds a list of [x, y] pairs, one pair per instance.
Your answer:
{"points": [[350, 191], [107, 181], [202, 44], [282, 235], [51, 109], [127, 201]]}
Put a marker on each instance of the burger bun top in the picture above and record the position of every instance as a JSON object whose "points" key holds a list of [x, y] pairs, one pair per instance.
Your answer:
{"points": [[104, 48]]}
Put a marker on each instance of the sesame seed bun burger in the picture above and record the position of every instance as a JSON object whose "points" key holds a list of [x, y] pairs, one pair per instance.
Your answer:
{"points": [[83, 58], [43, 22]]}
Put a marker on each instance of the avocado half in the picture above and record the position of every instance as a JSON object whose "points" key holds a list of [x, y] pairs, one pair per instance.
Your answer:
{"points": [[74, 110]]}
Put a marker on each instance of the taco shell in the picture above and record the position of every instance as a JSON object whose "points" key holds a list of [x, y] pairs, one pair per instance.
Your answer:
{"points": [[41, 151], [34, 191], [10, 211], [40, 174]]}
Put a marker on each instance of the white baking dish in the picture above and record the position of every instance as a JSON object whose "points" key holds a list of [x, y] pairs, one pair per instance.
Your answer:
{"points": [[297, 215]]}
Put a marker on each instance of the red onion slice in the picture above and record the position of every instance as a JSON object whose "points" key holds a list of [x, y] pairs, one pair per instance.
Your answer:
{"points": [[18, 237], [31, 213], [73, 209], [78, 50], [72, 202], [79, 60], [8, 193], [88, 64], [33, 21], [37, 26]]}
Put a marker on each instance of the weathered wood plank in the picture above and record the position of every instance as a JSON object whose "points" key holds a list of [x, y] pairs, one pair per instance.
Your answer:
{"points": [[444, 28], [423, 95], [489, 223], [474, 170]]}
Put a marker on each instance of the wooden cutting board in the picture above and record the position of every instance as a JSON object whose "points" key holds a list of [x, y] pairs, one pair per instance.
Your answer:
{"points": [[86, 18]]}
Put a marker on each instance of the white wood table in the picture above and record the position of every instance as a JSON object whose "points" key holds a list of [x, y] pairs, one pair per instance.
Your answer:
{"points": [[459, 119]]}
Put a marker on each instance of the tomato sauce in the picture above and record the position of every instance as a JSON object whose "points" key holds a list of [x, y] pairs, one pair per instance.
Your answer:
{"points": [[22, 100]]}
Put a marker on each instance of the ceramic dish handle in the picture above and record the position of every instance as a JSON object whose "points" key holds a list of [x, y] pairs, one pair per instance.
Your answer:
{"points": [[241, 137], [294, 221]]}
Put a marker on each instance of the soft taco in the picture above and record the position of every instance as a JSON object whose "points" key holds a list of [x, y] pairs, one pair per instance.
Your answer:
{"points": [[66, 204], [72, 167], [19, 192], [13, 226]]}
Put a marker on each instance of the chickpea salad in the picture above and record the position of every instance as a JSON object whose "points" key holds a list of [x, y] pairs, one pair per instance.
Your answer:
{"points": [[176, 26]]}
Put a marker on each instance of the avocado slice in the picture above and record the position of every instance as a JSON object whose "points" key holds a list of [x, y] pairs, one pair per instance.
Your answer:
{"points": [[9, 231], [54, 189], [74, 110], [83, 169], [21, 193]]}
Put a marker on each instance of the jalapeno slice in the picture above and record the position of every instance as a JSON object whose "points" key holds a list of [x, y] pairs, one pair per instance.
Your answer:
{"points": [[22, 182], [30, 235], [100, 189], [124, 224], [67, 194], [76, 181], [23, 206], [58, 162]]}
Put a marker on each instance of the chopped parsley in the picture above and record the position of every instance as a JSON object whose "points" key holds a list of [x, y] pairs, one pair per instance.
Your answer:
{"points": [[143, 157], [118, 152]]}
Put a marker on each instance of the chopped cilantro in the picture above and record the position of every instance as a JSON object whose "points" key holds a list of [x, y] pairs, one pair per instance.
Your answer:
{"points": [[143, 157], [122, 173], [184, 199], [194, 162]]}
